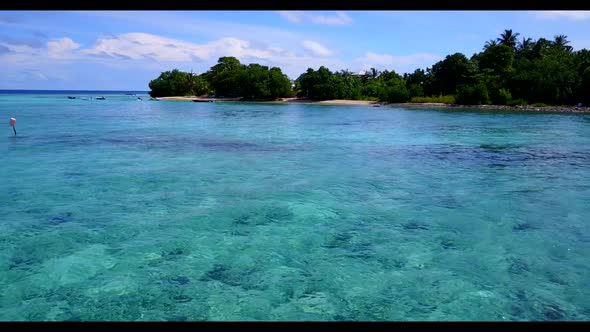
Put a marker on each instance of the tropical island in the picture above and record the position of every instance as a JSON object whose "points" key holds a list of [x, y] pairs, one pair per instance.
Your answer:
{"points": [[527, 74]]}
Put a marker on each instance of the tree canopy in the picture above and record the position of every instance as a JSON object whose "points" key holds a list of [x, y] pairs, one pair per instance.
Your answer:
{"points": [[228, 78], [508, 70]]}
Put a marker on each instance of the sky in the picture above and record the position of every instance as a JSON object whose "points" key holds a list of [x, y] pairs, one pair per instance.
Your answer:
{"points": [[124, 50]]}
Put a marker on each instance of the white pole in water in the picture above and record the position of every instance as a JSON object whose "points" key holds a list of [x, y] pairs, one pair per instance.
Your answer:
{"points": [[13, 125]]}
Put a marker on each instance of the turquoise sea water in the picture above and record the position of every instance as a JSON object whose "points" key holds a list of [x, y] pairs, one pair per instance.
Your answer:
{"points": [[126, 210]]}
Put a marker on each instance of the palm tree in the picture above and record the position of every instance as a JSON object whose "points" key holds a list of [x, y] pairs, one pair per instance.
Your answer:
{"points": [[347, 77], [190, 81], [508, 38], [525, 44], [539, 46], [490, 43], [374, 73], [561, 43]]}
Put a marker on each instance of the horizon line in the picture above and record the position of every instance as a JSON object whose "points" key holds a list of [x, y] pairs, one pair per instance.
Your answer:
{"points": [[72, 90]]}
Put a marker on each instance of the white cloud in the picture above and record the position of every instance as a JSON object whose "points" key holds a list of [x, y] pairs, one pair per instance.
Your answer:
{"points": [[144, 46], [61, 48], [147, 55], [196, 43], [573, 15], [152, 49], [297, 16], [24, 57], [154, 53], [316, 48], [341, 18], [138, 46], [20, 48], [401, 64]]}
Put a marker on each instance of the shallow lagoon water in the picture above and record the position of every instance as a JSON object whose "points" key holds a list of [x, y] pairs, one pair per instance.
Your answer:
{"points": [[125, 210]]}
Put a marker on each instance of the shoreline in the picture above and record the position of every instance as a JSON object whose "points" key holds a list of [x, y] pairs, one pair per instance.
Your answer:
{"points": [[535, 109], [277, 101], [528, 108]]}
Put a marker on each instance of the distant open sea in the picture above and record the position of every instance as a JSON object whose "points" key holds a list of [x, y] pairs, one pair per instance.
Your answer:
{"points": [[69, 92], [136, 210]]}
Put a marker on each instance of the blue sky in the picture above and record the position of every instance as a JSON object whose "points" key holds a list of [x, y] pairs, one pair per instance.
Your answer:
{"points": [[124, 50]]}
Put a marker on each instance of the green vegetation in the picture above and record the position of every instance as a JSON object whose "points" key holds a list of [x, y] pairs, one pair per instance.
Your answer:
{"points": [[517, 102], [227, 78], [506, 72], [449, 99], [174, 83]]}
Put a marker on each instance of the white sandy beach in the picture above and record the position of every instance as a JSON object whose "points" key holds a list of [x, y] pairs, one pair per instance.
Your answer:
{"points": [[281, 100]]}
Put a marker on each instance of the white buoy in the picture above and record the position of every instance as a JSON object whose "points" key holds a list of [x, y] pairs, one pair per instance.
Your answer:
{"points": [[13, 125]]}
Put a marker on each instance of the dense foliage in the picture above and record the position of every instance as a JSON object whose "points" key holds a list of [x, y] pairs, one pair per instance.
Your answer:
{"points": [[228, 78], [507, 71]]}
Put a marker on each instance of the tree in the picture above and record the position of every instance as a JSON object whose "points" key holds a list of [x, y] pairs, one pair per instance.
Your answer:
{"points": [[199, 85], [226, 64], [473, 94], [170, 83], [540, 47], [508, 38], [415, 90], [415, 83], [374, 73], [372, 89], [525, 44], [279, 85], [498, 58], [490, 43], [584, 91], [394, 89], [225, 76], [451, 72], [351, 85], [320, 85], [561, 43], [417, 77], [305, 83], [254, 82], [547, 71]]}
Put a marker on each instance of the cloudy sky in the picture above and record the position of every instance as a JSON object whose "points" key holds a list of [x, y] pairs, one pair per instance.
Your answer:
{"points": [[124, 50]]}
